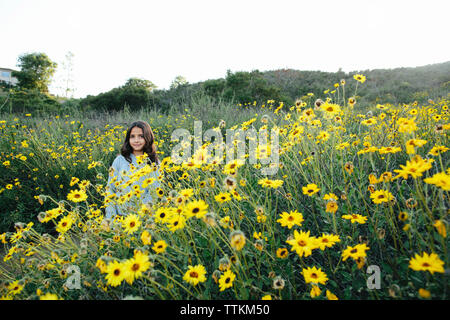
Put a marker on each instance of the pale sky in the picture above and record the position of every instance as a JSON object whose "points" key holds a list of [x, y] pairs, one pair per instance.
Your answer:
{"points": [[113, 41]]}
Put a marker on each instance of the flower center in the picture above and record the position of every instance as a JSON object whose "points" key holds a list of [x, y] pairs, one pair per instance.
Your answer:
{"points": [[301, 243]]}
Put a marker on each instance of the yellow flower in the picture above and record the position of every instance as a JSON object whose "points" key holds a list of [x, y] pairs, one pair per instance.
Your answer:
{"points": [[359, 78], [282, 253], [403, 216], [440, 179], [381, 196], [436, 150], [267, 297], [332, 206], [147, 182], [146, 237], [385, 150], [15, 287], [176, 221], [195, 274], [74, 181], [331, 296], [116, 273], [415, 168], [356, 252], [101, 265], [163, 214], [159, 246], [267, 183], [310, 189], [314, 275], [159, 192], [49, 296], [424, 293], [136, 266], [315, 291], [226, 280], [196, 208], [64, 224], [351, 101], [237, 240], [427, 262], [440, 226], [222, 197], [385, 176], [302, 243], [412, 144], [131, 223], [226, 222], [290, 219], [230, 168], [3, 238], [355, 218], [373, 179], [77, 195], [186, 193], [330, 108], [406, 125], [327, 241], [330, 196]]}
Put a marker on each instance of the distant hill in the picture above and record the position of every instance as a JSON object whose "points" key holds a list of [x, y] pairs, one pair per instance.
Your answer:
{"points": [[385, 85]]}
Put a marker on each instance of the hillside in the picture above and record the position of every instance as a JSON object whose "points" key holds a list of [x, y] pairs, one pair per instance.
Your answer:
{"points": [[396, 85]]}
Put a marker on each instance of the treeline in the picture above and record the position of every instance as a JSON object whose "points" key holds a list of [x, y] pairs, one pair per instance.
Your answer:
{"points": [[239, 87], [401, 85]]}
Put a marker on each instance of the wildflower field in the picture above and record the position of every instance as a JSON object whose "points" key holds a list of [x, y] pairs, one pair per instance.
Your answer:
{"points": [[357, 208]]}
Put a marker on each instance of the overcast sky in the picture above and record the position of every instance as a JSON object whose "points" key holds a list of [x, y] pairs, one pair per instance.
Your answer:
{"points": [[199, 40]]}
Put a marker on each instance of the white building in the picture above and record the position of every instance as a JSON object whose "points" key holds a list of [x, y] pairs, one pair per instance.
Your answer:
{"points": [[6, 75]]}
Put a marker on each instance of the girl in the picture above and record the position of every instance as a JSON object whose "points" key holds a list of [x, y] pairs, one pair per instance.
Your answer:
{"points": [[134, 172]]}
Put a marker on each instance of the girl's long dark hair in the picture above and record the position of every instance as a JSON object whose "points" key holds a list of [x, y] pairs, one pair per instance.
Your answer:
{"points": [[149, 147]]}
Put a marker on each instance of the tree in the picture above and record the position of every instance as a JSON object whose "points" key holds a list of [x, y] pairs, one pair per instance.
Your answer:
{"points": [[140, 83], [214, 87], [178, 81], [36, 71]]}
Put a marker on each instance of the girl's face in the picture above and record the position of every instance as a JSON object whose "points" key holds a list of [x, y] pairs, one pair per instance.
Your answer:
{"points": [[137, 140]]}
